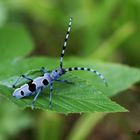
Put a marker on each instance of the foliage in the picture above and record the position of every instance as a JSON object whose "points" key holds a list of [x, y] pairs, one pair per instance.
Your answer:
{"points": [[105, 30], [11, 115], [85, 95]]}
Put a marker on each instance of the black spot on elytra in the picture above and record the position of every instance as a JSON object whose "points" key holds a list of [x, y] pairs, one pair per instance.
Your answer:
{"points": [[45, 82], [32, 86], [22, 93]]}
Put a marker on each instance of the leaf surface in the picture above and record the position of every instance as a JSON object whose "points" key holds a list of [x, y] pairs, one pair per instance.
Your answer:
{"points": [[87, 94]]}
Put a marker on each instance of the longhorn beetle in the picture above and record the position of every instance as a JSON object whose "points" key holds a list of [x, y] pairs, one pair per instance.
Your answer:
{"points": [[35, 86]]}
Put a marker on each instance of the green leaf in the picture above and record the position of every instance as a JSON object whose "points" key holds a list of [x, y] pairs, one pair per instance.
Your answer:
{"points": [[69, 98], [87, 94], [14, 42], [11, 115]]}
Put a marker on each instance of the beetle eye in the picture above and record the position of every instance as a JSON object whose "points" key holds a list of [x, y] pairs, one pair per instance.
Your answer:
{"points": [[22, 93]]}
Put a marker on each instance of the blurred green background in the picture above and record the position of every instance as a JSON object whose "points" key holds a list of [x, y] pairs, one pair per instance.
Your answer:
{"points": [[106, 30]]}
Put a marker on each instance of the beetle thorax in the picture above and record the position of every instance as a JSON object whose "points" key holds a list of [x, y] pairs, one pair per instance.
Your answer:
{"points": [[55, 74]]}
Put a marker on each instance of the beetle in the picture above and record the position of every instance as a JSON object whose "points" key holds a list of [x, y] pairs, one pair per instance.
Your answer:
{"points": [[35, 86]]}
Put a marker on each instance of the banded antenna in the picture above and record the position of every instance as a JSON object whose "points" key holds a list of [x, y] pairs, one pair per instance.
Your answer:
{"points": [[65, 43], [87, 69]]}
